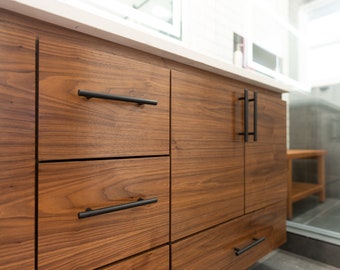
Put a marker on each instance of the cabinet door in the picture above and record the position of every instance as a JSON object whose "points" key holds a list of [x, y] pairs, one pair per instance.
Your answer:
{"points": [[206, 153], [265, 159], [17, 75]]}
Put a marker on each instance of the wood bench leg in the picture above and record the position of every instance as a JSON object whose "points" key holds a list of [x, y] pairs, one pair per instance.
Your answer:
{"points": [[290, 193], [321, 177]]}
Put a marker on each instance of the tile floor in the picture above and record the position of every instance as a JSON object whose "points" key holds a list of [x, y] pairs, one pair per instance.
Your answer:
{"points": [[324, 215], [283, 260]]}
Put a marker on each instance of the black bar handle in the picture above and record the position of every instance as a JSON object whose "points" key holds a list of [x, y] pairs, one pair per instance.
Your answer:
{"points": [[245, 115], [254, 133], [239, 251], [255, 116], [90, 213], [140, 101]]}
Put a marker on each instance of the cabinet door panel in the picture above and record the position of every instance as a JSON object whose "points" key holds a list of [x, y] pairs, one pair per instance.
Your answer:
{"points": [[68, 188], [206, 155], [17, 154], [265, 159], [214, 249], [73, 127]]}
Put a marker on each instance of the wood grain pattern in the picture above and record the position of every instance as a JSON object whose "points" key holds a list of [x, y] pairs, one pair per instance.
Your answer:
{"points": [[214, 249], [265, 160], [67, 188], [206, 154], [157, 259], [17, 119], [72, 127]]}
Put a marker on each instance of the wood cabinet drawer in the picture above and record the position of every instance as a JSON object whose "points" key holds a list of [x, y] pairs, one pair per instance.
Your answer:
{"points": [[157, 259], [73, 126], [216, 247], [68, 188]]}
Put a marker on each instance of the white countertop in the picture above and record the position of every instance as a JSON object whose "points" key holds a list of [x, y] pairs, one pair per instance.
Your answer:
{"points": [[136, 37]]}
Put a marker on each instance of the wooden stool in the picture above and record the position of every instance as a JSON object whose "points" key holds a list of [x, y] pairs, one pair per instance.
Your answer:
{"points": [[298, 190]]}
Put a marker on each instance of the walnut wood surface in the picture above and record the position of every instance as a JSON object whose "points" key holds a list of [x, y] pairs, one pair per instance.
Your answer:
{"points": [[266, 160], [67, 188], [206, 154], [17, 85], [214, 249], [157, 259], [72, 127]]}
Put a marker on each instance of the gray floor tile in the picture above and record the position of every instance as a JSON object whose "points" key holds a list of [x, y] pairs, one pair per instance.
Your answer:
{"points": [[283, 260], [324, 215], [326, 222]]}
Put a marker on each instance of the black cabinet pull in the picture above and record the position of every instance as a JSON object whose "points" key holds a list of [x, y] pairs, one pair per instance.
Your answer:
{"points": [[140, 101], [239, 251], [246, 132], [254, 133], [245, 115], [90, 212]]}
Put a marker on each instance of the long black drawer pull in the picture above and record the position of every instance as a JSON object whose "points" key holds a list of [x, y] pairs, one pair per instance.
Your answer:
{"points": [[246, 132], [239, 251], [245, 115], [254, 133], [140, 101], [90, 213]]}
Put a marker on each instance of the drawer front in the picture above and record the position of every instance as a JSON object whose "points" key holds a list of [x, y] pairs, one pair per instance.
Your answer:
{"points": [[157, 259], [216, 248], [69, 188], [73, 126]]}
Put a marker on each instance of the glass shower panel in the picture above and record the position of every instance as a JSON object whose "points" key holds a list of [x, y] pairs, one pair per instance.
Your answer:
{"points": [[314, 123]]}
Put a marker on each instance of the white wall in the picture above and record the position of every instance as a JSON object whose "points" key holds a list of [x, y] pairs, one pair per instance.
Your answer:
{"points": [[208, 26]]}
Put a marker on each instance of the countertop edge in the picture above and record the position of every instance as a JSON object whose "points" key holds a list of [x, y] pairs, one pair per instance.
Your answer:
{"points": [[139, 39]]}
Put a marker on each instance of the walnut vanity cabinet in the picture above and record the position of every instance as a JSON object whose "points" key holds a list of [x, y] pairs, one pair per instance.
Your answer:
{"points": [[113, 158], [17, 140]]}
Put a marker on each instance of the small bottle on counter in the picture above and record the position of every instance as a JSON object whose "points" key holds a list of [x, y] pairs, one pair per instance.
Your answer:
{"points": [[238, 56]]}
